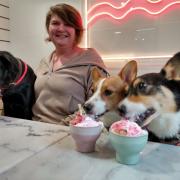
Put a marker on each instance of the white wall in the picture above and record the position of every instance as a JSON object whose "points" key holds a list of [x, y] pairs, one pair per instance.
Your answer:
{"points": [[27, 23], [145, 65], [150, 40], [4, 25]]}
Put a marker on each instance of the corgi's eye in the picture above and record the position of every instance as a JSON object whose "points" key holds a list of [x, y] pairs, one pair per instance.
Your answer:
{"points": [[126, 93], [107, 92], [142, 86]]}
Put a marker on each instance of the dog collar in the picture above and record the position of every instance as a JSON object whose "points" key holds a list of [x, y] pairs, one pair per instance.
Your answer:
{"points": [[17, 81], [22, 76]]}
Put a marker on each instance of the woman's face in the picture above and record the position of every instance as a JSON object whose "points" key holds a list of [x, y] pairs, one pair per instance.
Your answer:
{"points": [[60, 33]]}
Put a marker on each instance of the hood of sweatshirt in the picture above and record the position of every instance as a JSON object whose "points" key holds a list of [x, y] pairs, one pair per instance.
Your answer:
{"points": [[87, 57]]}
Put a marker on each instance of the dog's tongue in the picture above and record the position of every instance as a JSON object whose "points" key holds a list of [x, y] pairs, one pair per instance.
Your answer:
{"points": [[145, 118]]}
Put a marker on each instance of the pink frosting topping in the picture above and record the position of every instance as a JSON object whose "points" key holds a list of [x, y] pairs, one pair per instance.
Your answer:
{"points": [[126, 128], [84, 121]]}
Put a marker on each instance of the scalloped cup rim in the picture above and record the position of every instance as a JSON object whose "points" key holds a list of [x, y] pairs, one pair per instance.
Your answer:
{"points": [[100, 124], [84, 126]]}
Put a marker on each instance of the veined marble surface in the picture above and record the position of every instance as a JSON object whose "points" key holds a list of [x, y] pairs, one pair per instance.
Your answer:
{"points": [[20, 139], [60, 161]]}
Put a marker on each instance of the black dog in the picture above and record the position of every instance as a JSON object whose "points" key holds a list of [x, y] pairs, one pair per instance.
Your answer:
{"points": [[17, 86]]}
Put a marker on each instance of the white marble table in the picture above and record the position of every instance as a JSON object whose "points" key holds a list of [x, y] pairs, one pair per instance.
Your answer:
{"points": [[39, 151]]}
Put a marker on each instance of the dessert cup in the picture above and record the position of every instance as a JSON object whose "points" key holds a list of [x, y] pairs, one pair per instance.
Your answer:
{"points": [[128, 148], [85, 137]]}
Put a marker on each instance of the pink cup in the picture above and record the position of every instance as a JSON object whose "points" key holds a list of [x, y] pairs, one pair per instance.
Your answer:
{"points": [[85, 137]]}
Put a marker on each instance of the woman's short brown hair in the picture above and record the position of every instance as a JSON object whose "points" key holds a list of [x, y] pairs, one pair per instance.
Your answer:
{"points": [[70, 16]]}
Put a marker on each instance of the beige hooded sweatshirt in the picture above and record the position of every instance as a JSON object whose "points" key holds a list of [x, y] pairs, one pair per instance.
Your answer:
{"points": [[59, 92]]}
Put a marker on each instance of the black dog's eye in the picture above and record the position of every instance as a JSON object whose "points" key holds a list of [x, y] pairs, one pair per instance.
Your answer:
{"points": [[142, 86], [107, 92]]}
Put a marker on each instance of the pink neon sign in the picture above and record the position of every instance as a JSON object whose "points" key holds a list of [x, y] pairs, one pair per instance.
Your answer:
{"points": [[128, 7]]}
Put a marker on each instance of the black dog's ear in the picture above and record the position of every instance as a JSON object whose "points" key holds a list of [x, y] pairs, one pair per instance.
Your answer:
{"points": [[4, 63], [9, 61], [5, 59], [8, 68], [4, 71]]}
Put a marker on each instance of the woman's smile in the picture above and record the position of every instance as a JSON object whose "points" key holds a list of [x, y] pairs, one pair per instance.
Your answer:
{"points": [[61, 33]]}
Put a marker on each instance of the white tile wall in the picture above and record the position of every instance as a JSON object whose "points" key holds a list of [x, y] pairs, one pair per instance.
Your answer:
{"points": [[4, 25], [4, 2], [144, 65]]}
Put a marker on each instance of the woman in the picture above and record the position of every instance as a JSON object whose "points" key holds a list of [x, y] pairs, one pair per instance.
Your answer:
{"points": [[64, 78]]}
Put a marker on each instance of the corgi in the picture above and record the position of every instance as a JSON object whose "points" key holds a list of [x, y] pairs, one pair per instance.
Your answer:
{"points": [[109, 91], [155, 95]]}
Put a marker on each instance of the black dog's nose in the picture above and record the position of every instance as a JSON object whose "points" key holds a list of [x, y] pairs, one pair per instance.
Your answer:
{"points": [[88, 107], [122, 110]]}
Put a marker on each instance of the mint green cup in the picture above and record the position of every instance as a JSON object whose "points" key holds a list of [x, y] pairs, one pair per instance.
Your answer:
{"points": [[128, 148]]}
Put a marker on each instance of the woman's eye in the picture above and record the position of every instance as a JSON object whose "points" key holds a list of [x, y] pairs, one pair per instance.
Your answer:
{"points": [[65, 24], [107, 92], [54, 23]]}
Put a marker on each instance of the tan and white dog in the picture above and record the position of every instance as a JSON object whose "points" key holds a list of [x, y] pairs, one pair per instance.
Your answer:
{"points": [[108, 92], [156, 95]]}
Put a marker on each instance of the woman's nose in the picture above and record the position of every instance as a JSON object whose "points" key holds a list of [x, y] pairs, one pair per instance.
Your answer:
{"points": [[61, 27]]}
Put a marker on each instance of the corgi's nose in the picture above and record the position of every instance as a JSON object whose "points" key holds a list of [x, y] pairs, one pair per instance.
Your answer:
{"points": [[122, 110], [88, 108]]}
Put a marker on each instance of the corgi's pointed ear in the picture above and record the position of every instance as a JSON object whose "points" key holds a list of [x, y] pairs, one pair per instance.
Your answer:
{"points": [[129, 72], [96, 75]]}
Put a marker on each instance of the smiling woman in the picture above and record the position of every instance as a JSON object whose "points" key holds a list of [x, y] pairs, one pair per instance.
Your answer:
{"points": [[64, 77]]}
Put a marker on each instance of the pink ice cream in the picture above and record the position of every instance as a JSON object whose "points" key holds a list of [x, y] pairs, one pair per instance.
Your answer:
{"points": [[85, 132], [127, 128], [85, 121]]}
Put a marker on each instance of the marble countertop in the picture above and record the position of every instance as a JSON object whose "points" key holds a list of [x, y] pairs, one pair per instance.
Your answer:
{"points": [[32, 150]]}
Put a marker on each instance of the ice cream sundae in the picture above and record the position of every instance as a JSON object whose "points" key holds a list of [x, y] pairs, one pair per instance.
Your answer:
{"points": [[128, 140], [127, 128], [82, 120], [85, 131]]}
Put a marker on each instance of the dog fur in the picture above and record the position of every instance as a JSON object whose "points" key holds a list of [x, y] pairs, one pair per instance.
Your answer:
{"points": [[17, 96], [108, 92], [171, 70], [156, 93]]}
